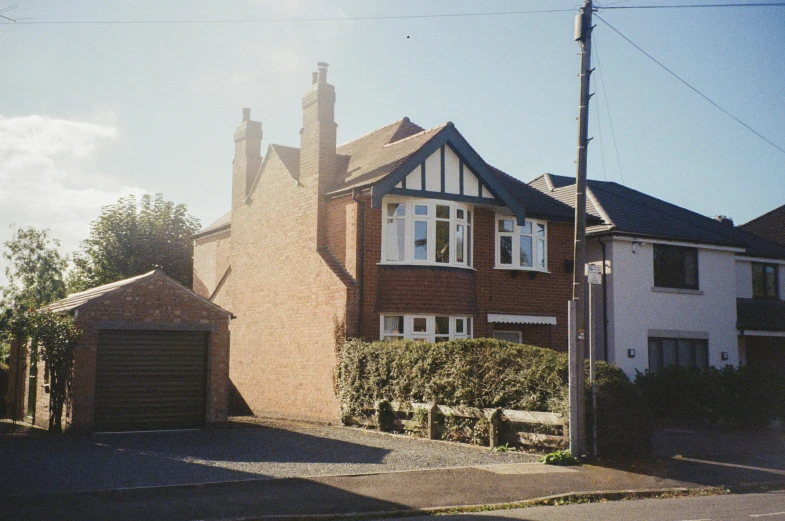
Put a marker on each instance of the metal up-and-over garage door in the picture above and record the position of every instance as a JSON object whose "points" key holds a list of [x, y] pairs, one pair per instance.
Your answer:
{"points": [[150, 379]]}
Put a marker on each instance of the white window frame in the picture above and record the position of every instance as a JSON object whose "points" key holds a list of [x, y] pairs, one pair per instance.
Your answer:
{"points": [[410, 218], [516, 244], [429, 335]]}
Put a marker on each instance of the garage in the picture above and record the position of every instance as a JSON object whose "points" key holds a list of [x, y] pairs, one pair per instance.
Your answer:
{"points": [[152, 355]]}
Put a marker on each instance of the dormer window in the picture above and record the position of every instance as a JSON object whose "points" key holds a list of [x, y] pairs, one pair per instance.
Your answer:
{"points": [[521, 247], [431, 232]]}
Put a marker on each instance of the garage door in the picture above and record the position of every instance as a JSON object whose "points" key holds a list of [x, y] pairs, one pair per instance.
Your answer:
{"points": [[150, 380]]}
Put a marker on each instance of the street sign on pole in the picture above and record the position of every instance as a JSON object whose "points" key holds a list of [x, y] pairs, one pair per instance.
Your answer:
{"points": [[595, 274]]}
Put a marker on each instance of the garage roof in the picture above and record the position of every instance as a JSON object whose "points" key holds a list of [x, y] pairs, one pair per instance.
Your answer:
{"points": [[76, 300]]}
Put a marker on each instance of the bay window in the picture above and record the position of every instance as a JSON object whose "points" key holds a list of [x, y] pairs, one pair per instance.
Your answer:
{"points": [[425, 328], [427, 232], [521, 247]]}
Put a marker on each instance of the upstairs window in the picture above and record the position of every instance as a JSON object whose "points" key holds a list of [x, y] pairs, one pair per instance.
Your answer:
{"points": [[427, 232], [521, 247], [765, 282], [675, 267]]}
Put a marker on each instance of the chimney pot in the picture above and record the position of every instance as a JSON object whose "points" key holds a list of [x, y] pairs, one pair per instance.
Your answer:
{"points": [[322, 71], [724, 219], [246, 115]]}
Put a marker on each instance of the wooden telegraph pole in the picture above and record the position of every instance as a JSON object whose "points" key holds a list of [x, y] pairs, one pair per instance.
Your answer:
{"points": [[578, 307]]}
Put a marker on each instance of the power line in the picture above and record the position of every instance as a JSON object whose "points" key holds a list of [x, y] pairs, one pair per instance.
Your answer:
{"points": [[292, 20], [608, 110], [702, 95], [690, 6]]}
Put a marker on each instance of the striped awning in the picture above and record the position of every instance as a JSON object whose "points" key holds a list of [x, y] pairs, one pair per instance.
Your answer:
{"points": [[498, 318]]}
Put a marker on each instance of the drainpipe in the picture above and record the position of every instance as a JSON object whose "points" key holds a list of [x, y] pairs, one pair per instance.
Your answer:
{"points": [[604, 303], [360, 260]]}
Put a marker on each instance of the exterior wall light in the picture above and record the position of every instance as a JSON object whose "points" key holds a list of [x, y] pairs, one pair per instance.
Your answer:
{"points": [[630, 353], [724, 355]]}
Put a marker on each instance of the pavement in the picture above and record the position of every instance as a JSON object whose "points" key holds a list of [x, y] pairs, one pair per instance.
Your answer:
{"points": [[685, 460]]}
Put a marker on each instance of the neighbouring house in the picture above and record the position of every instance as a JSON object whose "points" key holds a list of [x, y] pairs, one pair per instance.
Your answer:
{"points": [[152, 355], [680, 288], [404, 232], [761, 292]]}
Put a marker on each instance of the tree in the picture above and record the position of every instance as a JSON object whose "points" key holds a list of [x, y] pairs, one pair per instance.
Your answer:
{"points": [[35, 270], [54, 337], [128, 240]]}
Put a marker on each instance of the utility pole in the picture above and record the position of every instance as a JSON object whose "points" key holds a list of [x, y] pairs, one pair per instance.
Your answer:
{"points": [[578, 308]]}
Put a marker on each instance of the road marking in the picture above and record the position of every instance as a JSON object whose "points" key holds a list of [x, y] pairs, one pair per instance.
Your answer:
{"points": [[696, 520], [771, 514]]}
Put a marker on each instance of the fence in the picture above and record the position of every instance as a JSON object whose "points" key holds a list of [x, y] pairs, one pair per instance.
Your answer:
{"points": [[425, 421]]}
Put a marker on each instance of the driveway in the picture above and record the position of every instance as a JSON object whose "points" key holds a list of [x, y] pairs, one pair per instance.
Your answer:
{"points": [[236, 452]]}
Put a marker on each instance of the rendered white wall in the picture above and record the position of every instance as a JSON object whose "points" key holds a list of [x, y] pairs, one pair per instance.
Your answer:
{"points": [[634, 308], [452, 182]]}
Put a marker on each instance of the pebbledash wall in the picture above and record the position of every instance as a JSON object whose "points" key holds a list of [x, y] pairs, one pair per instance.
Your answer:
{"points": [[152, 303]]}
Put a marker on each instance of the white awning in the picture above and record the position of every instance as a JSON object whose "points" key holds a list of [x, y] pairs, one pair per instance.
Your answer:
{"points": [[498, 318]]}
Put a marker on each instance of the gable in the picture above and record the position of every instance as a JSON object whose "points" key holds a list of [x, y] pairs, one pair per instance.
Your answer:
{"points": [[447, 167], [448, 176]]}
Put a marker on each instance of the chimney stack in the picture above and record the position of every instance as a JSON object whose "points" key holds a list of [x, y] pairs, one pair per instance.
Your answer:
{"points": [[247, 157], [724, 219], [318, 135]]}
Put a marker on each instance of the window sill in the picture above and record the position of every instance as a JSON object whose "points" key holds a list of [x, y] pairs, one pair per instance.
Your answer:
{"points": [[516, 268], [425, 265], [681, 291]]}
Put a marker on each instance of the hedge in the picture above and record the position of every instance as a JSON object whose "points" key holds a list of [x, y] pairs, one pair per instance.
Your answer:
{"points": [[744, 397], [487, 373]]}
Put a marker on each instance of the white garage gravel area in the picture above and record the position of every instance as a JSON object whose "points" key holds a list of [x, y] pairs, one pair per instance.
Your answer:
{"points": [[243, 449]]}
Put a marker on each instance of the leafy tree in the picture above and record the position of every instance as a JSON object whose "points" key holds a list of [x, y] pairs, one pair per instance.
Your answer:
{"points": [[128, 240], [35, 270], [54, 337]]}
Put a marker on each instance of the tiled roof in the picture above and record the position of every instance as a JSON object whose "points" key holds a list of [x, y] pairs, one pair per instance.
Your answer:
{"points": [[770, 225], [760, 314], [223, 222], [537, 204], [628, 211], [75, 300]]}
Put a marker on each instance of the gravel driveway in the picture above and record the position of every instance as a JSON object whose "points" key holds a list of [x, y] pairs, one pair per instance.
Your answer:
{"points": [[240, 451]]}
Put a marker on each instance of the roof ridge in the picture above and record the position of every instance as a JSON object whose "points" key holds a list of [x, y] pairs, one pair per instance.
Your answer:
{"points": [[761, 216], [110, 285], [597, 206], [439, 127]]}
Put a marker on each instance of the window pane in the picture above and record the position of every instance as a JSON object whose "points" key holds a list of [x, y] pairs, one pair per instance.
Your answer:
{"points": [[701, 354], [393, 325], [541, 253], [420, 240], [442, 241], [442, 212], [540, 230], [459, 329], [395, 239], [469, 245], [526, 228], [526, 250], [396, 210], [420, 324], [469, 217], [655, 351], [442, 339], [691, 268], [758, 281], [509, 336], [442, 325], [459, 243], [420, 209], [459, 214], [686, 357], [505, 225], [505, 250], [675, 267], [669, 353], [771, 281]]}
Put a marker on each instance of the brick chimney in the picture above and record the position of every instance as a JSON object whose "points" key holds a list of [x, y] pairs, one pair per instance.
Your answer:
{"points": [[317, 137], [723, 219], [247, 157]]}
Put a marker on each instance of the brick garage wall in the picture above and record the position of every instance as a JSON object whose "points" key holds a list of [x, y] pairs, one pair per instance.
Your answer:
{"points": [[211, 260], [150, 302], [495, 291], [286, 300]]}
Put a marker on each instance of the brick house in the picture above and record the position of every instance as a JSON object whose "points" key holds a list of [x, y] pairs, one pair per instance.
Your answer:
{"points": [[404, 232], [152, 355]]}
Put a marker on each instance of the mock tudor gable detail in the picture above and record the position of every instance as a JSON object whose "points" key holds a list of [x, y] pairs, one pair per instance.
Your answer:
{"points": [[433, 154]]}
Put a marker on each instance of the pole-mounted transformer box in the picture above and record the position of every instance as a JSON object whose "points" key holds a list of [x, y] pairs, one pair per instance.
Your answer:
{"points": [[579, 27]]}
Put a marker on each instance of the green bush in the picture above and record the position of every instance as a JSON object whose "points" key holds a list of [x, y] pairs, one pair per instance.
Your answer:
{"points": [[742, 397], [487, 373]]}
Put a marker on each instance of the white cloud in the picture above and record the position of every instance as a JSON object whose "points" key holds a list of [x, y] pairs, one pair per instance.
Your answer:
{"points": [[48, 178]]}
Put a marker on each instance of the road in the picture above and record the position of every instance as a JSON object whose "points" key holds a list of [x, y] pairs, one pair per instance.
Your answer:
{"points": [[751, 507]]}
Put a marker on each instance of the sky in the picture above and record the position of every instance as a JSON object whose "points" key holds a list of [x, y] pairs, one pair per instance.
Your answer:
{"points": [[93, 112]]}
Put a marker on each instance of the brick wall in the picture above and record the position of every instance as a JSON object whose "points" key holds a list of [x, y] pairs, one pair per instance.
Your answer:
{"points": [[211, 260]]}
